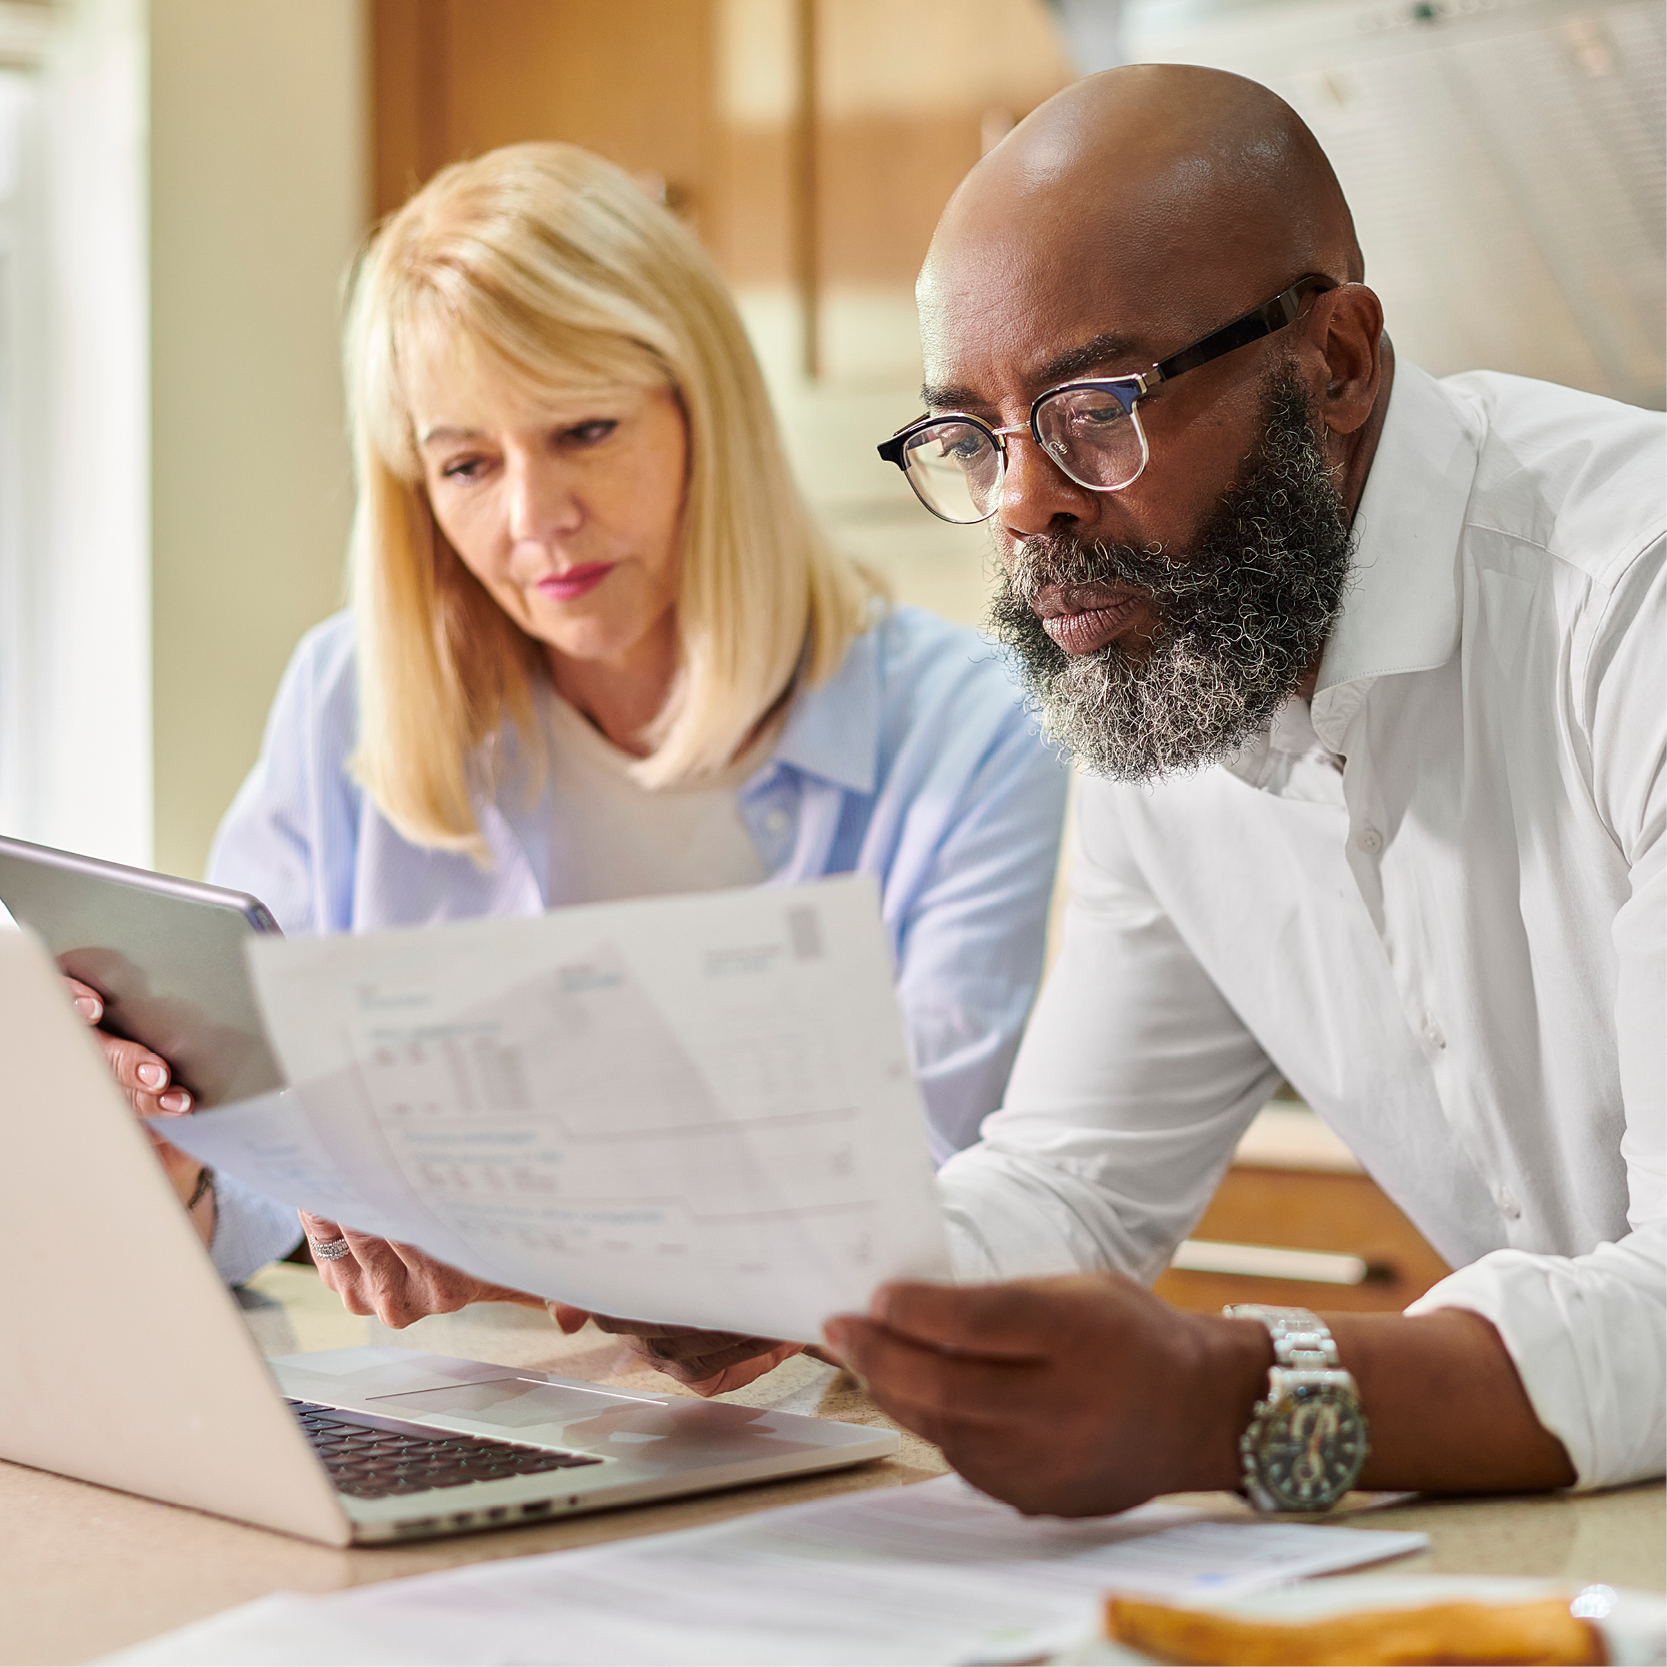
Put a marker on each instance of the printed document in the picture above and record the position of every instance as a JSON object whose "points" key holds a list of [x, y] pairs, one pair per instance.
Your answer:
{"points": [[936, 1572], [695, 1110]]}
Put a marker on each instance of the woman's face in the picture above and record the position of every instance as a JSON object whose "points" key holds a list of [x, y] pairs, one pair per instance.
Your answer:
{"points": [[569, 510]]}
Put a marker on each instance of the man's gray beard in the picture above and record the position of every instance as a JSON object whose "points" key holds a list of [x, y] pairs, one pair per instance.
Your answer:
{"points": [[1243, 613]]}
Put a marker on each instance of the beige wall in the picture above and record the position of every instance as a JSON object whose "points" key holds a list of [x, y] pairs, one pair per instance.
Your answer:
{"points": [[258, 198]]}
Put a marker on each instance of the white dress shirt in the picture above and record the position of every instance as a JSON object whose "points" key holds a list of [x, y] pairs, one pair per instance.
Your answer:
{"points": [[1434, 902]]}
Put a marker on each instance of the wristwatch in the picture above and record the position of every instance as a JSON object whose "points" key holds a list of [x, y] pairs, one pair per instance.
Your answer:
{"points": [[1308, 1436]]}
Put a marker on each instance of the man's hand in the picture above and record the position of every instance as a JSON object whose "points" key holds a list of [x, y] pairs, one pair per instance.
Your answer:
{"points": [[1087, 1394], [1072, 1396], [146, 1081], [397, 1282], [708, 1362]]}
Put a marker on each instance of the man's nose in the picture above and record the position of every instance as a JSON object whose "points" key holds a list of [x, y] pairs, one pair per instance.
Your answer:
{"points": [[542, 500], [1036, 492]]}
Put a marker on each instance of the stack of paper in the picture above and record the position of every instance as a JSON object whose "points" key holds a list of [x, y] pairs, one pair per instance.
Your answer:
{"points": [[931, 1573]]}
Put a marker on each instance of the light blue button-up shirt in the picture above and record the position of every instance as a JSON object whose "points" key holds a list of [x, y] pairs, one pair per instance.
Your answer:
{"points": [[915, 763]]}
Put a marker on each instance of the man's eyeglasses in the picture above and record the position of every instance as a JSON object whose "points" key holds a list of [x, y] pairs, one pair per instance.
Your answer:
{"points": [[1090, 429]]}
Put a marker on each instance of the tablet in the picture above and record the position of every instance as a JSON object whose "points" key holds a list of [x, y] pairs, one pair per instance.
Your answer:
{"points": [[165, 954]]}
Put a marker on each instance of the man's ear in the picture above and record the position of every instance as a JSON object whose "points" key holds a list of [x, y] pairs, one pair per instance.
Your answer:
{"points": [[1345, 331]]}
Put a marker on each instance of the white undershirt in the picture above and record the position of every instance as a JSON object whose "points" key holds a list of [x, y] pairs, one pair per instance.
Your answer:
{"points": [[611, 838]]}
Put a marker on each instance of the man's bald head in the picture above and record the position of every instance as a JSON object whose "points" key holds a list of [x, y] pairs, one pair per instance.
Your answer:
{"points": [[1197, 184]]}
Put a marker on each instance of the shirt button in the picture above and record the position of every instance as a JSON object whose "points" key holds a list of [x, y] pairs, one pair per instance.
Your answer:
{"points": [[775, 821], [1369, 840], [1508, 1205], [1434, 1034]]}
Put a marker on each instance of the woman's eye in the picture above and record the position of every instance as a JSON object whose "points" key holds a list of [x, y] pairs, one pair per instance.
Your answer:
{"points": [[588, 434], [464, 468]]}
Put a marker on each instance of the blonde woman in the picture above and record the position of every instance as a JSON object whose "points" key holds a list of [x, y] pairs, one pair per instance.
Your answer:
{"points": [[597, 648]]}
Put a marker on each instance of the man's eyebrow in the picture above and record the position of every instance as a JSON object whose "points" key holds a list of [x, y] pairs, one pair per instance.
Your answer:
{"points": [[1092, 355], [948, 399]]}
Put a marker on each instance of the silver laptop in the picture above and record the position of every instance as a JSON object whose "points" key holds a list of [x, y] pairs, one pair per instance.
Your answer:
{"points": [[127, 1363]]}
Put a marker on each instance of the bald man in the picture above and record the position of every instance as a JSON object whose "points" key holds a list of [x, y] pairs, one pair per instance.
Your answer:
{"points": [[1365, 671]]}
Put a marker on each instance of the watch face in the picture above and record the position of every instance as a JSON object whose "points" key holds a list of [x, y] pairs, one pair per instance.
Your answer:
{"points": [[1312, 1446]]}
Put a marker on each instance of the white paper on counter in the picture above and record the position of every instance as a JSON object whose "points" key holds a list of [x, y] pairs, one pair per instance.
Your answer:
{"points": [[931, 1573], [696, 1110]]}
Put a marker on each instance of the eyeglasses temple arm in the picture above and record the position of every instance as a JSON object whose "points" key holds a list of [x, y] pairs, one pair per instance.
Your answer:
{"points": [[1263, 321]]}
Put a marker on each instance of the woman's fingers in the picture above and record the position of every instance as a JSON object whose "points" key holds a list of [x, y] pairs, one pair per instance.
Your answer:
{"points": [[143, 1078], [399, 1284], [343, 1274], [450, 1288], [141, 1075], [366, 1273], [739, 1374], [678, 1342], [708, 1362], [88, 1002], [396, 1282], [371, 1279]]}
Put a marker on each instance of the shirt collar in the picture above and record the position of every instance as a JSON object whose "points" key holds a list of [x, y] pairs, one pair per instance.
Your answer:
{"points": [[833, 730], [1401, 607], [1289, 759], [1401, 610]]}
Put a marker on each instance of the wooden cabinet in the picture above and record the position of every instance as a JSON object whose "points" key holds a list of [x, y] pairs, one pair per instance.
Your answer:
{"points": [[454, 78], [811, 144], [1294, 1187]]}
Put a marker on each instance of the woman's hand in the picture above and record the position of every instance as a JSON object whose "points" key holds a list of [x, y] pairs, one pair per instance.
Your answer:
{"points": [[145, 1079], [708, 1362], [396, 1282]]}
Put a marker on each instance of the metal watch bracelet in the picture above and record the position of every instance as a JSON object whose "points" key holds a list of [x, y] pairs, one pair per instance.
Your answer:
{"points": [[1308, 1436]]}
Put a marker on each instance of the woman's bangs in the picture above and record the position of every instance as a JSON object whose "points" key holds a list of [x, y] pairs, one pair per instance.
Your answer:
{"points": [[469, 353]]}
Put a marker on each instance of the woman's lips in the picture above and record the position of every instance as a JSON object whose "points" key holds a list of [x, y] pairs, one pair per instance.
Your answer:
{"points": [[576, 581], [1082, 618]]}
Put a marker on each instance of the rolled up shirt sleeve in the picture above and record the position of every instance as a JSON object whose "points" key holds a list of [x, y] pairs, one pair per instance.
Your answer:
{"points": [[1587, 1335]]}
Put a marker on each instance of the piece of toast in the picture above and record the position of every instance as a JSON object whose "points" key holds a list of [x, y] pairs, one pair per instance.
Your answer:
{"points": [[1464, 1633]]}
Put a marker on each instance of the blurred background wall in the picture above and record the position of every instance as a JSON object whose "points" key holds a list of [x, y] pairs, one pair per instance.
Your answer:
{"points": [[183, 182], [259, 194]]}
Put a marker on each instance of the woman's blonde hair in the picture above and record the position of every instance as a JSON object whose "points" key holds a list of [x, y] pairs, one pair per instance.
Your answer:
{"points": [[547, 266]]}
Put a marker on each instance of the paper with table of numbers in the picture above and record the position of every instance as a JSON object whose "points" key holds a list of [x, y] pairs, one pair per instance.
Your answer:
{"points": [[696, 1110]]}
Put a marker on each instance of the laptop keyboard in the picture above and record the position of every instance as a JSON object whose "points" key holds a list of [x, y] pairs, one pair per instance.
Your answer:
{"points": [[376, 1458]]}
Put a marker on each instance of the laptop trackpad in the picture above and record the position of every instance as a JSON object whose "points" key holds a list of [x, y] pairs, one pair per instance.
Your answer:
{"points": [[677, 1435], [512, 1404]]}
